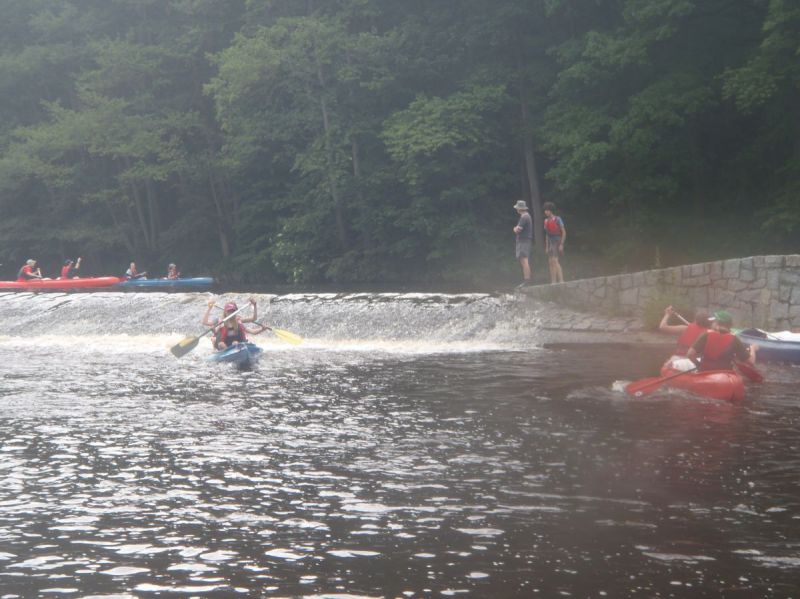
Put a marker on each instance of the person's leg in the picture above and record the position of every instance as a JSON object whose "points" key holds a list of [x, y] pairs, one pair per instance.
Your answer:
{"points": [[559, 272], [551, 266], [526, 268]]}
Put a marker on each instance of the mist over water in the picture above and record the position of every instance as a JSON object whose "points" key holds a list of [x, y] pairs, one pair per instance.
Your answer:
{"points": [[415, 445]]}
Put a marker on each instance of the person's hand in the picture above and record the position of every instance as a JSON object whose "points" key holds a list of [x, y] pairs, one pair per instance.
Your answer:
{"points": [[211, 303], [669, 310], [517, 229], [252, 301], [561, 248]]}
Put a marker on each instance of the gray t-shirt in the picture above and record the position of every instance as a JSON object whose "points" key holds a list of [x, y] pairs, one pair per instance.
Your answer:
{"points": [[526, 224]]}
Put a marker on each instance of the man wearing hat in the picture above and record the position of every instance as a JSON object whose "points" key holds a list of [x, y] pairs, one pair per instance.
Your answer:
{"points": [[524, 233], [719, 348]]}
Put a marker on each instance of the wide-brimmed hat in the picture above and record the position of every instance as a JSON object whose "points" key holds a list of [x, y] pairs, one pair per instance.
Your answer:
{"points": [[722, 317], [67, 262], [30, 262], [520, 205]]}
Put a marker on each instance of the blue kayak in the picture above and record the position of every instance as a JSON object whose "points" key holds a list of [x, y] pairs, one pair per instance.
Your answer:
{"points": [[771, 346], [241, 354], [167, 284]]}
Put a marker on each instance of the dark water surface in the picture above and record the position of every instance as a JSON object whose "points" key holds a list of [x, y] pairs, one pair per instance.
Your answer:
{"points": [[391, 457]]}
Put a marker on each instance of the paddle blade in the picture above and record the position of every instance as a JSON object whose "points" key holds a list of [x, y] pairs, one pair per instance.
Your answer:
{"points": [[288, 337], [184, 346], [644, 386], [750, 372]]}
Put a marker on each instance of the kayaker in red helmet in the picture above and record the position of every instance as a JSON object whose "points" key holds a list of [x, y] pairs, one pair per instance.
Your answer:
{"points": [[718, 348], [232, 330]]}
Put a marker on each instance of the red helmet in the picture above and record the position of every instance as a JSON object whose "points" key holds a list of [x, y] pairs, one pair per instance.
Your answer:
{"points": [[231, 307]]}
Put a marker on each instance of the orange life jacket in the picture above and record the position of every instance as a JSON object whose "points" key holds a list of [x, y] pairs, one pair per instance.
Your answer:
{"points": [[688, 337], [718, 354]]}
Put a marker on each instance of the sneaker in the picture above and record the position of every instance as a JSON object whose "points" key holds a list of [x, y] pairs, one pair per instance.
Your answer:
{"points": [[523, 285]]}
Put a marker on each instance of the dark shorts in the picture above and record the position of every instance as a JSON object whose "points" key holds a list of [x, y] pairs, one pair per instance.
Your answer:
{"points": [[552, 247], [523, 248]]}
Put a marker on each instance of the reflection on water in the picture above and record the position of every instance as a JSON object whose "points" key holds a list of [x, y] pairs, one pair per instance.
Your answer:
{"points": [[384, 470]]}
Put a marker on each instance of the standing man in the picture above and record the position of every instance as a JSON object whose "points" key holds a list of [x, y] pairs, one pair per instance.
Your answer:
{"points": [[524, 233], [555, 235]]}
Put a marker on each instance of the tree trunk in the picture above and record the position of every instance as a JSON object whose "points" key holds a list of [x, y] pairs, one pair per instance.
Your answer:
{"points": [[533, 178]]}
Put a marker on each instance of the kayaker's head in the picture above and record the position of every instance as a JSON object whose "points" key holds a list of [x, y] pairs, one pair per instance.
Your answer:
{"points": [[67, 262], [701, 319], [230, 307], [30, 262], [549, 209], [722, 320]]}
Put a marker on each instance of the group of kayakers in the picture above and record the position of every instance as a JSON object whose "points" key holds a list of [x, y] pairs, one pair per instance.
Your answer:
{"points": [[707, 343], [69, 270]]}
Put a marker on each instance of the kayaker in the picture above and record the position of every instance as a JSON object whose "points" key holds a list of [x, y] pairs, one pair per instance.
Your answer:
{"points": [[555, 236], [232, 330], [70, 269], [172, 272], [718, 348], [132, 273], [688, 334], [524, 236], [28, 272]]}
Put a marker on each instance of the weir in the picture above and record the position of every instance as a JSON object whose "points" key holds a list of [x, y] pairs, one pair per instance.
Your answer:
{"points": [[394, 322], [760, 291]]}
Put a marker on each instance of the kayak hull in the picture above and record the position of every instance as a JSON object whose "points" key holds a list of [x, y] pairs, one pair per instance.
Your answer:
{"points": [[769, 349], [240, 354], [166, 284], [59, 284], [725, 385]]}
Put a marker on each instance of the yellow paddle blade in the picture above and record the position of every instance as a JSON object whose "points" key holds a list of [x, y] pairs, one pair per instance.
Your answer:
{"points": [[287, 336], [184, 346]]}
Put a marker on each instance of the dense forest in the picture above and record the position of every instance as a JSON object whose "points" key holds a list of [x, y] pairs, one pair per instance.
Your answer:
{"points": [[386, 141]]}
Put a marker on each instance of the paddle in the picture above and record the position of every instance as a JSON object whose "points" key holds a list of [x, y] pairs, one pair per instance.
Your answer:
{"points": [[287, 336], [187, 344], [645, 386], [751, 372]]}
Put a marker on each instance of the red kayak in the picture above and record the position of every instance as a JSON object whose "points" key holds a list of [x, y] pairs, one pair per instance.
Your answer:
{"points": [[58, 284], [726, 385]]}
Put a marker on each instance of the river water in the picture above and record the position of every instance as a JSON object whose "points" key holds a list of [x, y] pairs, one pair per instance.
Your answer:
{"points": [[414, 446]]}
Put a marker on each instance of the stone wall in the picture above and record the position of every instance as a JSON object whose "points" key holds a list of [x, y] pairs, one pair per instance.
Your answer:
{"points": [[761, 291]]}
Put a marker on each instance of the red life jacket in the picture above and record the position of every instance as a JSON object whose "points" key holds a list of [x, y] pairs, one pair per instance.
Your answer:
{"points": [[688, 337], [718, 354], [552, 226], [25, 270], [65, 271], [228, 336]]}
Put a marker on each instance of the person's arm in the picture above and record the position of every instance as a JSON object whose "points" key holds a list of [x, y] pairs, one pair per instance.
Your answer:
{"points": [[254, 317], [743, 354], [697, 349], [207, 316], [563, 236], [259, 328], [664, 325], [78, 263]]}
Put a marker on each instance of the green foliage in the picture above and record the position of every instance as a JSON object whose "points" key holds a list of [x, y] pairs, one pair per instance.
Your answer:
{"points": [[361, 140]]}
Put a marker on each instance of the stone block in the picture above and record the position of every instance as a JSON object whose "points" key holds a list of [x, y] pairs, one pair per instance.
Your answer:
{"points": [[701, 281], [747, 274], [625, 281], [794, 312], [760, 282], [730, 269], [698, 297], [629, 297], [794, 298], [715, 271], [788, 277], [759, 261], [784, 293], [773, 261], [722, 298], [700, 269], [638, 279], [600, 292], [778, 310], [792, 261], [737, 285], [653, 277], [686, 271], [773, 279]]}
